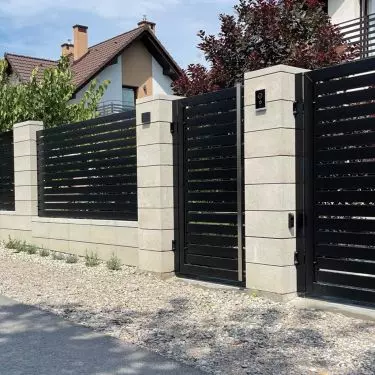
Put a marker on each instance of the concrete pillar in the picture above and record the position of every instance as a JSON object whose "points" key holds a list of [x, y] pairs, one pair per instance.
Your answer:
{"points": [[270, 182], [25, 167], [155, 184]]}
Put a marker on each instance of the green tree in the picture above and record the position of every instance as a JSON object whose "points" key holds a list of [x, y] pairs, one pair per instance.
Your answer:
{"points": [[46, 98], [264, 33]]}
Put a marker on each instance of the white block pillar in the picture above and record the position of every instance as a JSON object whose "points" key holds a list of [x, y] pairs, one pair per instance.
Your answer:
{"points": [[25, 167], [155, 184], [270, 182]]}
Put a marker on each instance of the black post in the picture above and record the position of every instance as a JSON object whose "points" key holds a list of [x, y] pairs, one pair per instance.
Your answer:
{"points": [[40, 172], [239, 180]]}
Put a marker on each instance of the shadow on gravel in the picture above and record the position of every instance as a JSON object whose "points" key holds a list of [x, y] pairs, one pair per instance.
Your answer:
{"points": [[366, 363], [35, 342], [254, 340]]}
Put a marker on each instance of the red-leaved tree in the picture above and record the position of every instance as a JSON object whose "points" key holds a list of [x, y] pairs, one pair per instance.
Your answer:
{"points": [[264, 33]]}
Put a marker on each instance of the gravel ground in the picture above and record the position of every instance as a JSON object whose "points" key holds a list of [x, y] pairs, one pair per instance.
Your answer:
{"points": [[219, 331]]}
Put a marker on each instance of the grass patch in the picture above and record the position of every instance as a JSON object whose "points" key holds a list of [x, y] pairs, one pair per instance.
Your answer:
{"points": [[44, 253], [71, 259], [92, 259], [114, 263], [58, 256]]}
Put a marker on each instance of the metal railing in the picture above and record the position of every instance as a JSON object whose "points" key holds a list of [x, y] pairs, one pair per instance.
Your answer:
{"points": [[360, 33], [111, 107]]}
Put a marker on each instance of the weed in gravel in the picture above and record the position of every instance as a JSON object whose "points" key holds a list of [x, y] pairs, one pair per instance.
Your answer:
{"points": [[71, 259], [114, 263], [31, 249], [44, 252], [92, 259], [21, 247], [13, 243], [58, 256]]}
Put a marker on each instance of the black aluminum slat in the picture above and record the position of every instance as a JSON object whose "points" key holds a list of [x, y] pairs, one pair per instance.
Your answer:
{"points": [[345, 265], [356, 281], [345, 252]]}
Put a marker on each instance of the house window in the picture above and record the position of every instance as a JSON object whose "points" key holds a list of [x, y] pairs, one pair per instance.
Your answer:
{"points": [[128, 97]]}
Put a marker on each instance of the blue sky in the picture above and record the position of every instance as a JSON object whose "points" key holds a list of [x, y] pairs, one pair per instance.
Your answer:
{"points": [[39, 27]]}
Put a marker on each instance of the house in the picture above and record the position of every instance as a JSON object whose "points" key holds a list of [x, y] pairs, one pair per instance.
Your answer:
{"points": [[346, 10], [356, 21], [136, 63]]}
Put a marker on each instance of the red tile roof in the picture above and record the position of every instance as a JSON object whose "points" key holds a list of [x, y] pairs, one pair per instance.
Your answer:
{"points": [[24, 65], [85, 68]]}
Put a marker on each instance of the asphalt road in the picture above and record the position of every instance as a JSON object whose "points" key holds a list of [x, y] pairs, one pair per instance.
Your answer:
{"points": [[34, 342]]}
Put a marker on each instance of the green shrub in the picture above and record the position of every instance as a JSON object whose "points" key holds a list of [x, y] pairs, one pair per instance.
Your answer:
{"points": [[58, 256], [91, 260], [21, 246], [71, 258], [31, 249], [44, 252], [114, 263], [13, 244]]}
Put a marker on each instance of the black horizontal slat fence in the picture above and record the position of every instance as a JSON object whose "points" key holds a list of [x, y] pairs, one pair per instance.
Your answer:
{"points": [[339, 181], [89, 169], [209, 180], [6, 171]]}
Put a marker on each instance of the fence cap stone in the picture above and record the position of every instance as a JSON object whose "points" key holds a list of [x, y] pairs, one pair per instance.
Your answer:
{"points": [[275, 69], [28, 123], [148, 99]]}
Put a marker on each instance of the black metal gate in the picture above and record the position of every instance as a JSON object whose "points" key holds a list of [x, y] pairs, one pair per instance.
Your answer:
{"points": [[335, 110], [208, 151]]}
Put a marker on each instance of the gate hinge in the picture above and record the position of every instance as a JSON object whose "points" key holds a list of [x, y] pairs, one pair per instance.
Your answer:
{"points": [[174, 246], [299, 258], [172, 127], [298, 107]]}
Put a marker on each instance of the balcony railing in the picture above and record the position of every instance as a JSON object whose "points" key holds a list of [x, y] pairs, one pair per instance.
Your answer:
{"points": [[360, 33], [110, 107]]}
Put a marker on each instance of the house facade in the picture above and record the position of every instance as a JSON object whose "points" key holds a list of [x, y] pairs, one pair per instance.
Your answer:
{"points": [[346, 10], [136, 63]]}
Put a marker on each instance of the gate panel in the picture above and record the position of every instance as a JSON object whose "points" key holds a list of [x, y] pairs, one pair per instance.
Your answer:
{"points": [[339, 181], [209, 180]]}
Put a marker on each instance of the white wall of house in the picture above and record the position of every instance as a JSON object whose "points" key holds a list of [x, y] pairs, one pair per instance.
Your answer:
{"points": [[161, 84], [343, 10], [114, 90]]}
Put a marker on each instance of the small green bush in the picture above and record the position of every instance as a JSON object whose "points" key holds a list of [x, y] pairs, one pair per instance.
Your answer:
{"points": [[114, 263], [58, 256], [92, 259], [44, 252], [13, 244], [21, 246], [71, 258], [31, 249]]}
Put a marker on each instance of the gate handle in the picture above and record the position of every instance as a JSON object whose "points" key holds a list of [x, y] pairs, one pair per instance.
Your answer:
{"points": [[290, 220]]}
